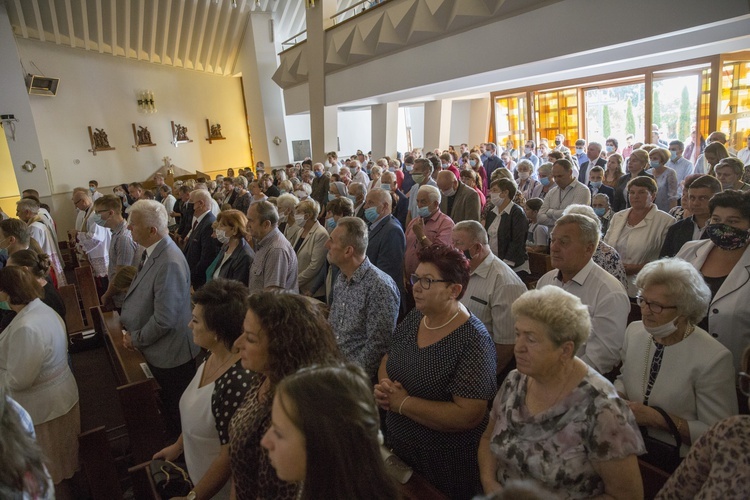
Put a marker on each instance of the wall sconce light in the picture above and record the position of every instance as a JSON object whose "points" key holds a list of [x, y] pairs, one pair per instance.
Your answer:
{"points": [[146, 103], [28, 166]]}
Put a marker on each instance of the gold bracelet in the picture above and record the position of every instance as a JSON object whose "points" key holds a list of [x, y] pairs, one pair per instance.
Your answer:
{"points": [[402, 404], [678, 424]]}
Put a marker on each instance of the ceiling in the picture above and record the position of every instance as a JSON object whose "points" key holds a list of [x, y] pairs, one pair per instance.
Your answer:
{"points": [[202, 35]]}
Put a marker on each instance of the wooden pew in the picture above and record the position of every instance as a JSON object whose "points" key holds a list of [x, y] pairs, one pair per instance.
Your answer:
{"points": [[138, 390], [73, 317], [143, 484], [653, 479], [99, 465], [87, 289]]}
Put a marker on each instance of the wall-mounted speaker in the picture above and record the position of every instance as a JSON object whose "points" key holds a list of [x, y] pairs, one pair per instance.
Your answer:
{"points": [[41, 85]]}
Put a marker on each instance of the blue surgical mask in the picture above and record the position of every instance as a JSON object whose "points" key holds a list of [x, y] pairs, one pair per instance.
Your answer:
{"points": [[600, 211], [92, 189], [318, 173], [330, 223], [408, 167], [596, 184], [352, 197], [610, 149], [444, 165], [473, 163], [5, 306], [424, 212], [98, 219], [371, 214], [385, 187], [544, 181], [282, 191], [673, 155], [331, 196], [654, 163]]}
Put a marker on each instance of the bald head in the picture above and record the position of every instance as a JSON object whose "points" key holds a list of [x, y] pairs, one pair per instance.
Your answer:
{"points": [[446, 180]]}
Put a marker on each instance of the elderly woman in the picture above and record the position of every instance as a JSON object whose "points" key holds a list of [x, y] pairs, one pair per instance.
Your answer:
{"points": [[256, 192], [242, 198], [281, 334], [717, 465], [638, 232], [555, 419], [666, 179], [603, 210], [375, 174], [437, 376], [712, 155], [475, 163], [168, 201], [724, 260], [526, 182], [286, 203], [308, 238], [235, 257], [208, 403], [637, 165], [729, 172], [613, 170], [337, 189], [507, 226], [34, 368], [324, 433], [546, 182], [670, 363]]}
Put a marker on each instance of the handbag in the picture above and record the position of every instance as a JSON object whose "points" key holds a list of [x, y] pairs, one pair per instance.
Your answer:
{"points": [[663, 455], [170, 480]]}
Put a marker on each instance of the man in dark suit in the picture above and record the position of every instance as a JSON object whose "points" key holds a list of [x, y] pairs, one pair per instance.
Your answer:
{"points": [[593, 151], [186, 214], [597, 187], [156, 310], [387, 243], [458, 201], [320, 186], [700, 191], [200, 248], [493, 161]]}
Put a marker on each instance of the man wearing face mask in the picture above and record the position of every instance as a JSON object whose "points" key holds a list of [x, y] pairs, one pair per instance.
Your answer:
{"points": [[700, 190], [122, 248], [93, 186], [492, 289], [681, 165], [459, 201], [358, 174], [580, 152], [357, 193], [560, 144], [528, 154], [91, 240], [493, 160], [408, 181], [422, 176]]}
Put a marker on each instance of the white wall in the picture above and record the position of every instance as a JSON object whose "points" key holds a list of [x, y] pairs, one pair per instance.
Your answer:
{"points": [[460, 122], [416, 117], [355, 131], [100, 91], [297, 129]]}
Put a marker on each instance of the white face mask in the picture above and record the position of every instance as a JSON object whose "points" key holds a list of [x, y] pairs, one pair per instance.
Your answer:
{"points": [[497, 199], [299, 219], [662, 331], [523, 175], [221, 235]]}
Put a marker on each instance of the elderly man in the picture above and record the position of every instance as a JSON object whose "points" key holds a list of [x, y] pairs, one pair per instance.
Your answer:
{"points": [[364, 313], [458, 201], [156, 310], [345, 175], [275, 263], [492, 289], [357, 193], [567, 191], [28, 210], [387, 242], [681, 165], [122, 248], [135, 189], [573, 242], [700, 192], [320, 185], [200, 247], [429, 227], [729, 172], [592, 160], [421, 174], [358, 173], [91, 240]]}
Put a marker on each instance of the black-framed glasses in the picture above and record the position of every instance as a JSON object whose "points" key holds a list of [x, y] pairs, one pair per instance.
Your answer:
{"points": [[743, 380], [654, 308], [425, 283]]}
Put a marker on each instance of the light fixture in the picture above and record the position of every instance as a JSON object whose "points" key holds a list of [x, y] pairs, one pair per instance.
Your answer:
{"points": [[277, 140], [146, 102], [28, 166], [234, 4]]}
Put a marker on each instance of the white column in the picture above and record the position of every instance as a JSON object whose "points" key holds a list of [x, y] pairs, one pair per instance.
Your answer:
{"points": [[323, 119], [437, 124], [479, 121], [384, 130]]}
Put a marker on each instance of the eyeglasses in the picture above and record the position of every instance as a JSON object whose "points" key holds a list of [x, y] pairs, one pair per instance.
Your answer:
{"points": [[654, 308], [425, 283], [744, 383]]}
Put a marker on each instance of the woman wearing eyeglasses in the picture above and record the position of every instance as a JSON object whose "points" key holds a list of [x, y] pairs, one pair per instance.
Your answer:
{"points": [[437, 377], [669, 362]]}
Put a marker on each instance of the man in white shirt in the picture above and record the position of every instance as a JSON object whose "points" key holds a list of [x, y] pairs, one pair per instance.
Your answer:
{"points": [[681, 165], [568, 191], [358, 175], [492, 289], [572, 245], [744, 153]]}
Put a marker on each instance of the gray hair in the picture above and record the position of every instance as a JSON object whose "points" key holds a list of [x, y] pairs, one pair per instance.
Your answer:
{"points": [[153, 214], [597, 145], [266, 212], [203, 195], [355, 234], [433, 193], [28, 204], [601, 196], [591, 229], [341, 188], [584, 210], [240, 181], [545, 168], [286, 202], [309, 207], [387, 177], [361, 188], [565, 318], [474, 230], [684, 284], [381, 196], [525, 163]]}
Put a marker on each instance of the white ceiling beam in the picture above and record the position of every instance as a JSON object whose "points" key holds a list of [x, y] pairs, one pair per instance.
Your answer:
{"points": [[21, 20], [201, 34], [219, 13], [154, 24], [113, 26], [39, 25], [191, 34], [141, 10], [297, 26], [282, 18], [217, 66], [55, 27], [126, 45], [167, 30], [71, 26], [100, 26], [85, 15], [238, 35], [178, 34]]}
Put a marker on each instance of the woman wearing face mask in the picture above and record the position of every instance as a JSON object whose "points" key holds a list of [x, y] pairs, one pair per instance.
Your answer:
{"points": [[286, 203], [724, 262], [526, 183], [236, 256], [308, 238], [475, 163], [242, 198], [666, 179], [546, 182], [507, 226], [671, 363]]}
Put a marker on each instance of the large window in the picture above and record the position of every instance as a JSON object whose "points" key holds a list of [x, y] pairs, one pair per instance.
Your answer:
{"points": [[675, 105], [734, 105], [615, 111], [510, 120], [556, 112]]}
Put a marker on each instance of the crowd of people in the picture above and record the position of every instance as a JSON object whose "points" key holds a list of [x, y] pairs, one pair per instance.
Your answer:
{"points": [[295, 319]]}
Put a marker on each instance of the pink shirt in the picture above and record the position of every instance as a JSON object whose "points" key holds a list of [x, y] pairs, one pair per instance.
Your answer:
{"points": [[437, 228]]}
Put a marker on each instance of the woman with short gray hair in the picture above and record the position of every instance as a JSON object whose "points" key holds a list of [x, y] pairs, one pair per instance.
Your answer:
{"points": [[555, 419], [670, 363]]}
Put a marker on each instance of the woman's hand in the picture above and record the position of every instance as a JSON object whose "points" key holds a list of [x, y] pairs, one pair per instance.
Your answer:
{"points": [[390, 395], [491, 486], [170, 453], [645, 415]]}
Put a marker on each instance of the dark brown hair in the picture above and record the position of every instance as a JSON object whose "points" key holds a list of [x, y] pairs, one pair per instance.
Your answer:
{"points": [[20, 285], [452, 264]]}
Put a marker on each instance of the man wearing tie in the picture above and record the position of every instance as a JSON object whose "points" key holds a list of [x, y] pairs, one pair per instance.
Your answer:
{"points": [[200, 248], [156, 310]]}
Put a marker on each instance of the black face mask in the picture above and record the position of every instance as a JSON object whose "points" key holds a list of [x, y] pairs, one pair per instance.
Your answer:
{"points": [[467, 253]]}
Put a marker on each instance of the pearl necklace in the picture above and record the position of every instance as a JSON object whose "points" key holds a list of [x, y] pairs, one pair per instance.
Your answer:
{"points": [[424, 321]]}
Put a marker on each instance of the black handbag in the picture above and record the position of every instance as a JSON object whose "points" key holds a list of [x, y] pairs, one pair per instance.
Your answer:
{"points": [[663, 455], [170, 479]]}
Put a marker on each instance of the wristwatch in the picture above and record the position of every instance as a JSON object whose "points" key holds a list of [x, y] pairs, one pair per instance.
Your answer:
{"points": [[192, 495]]}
